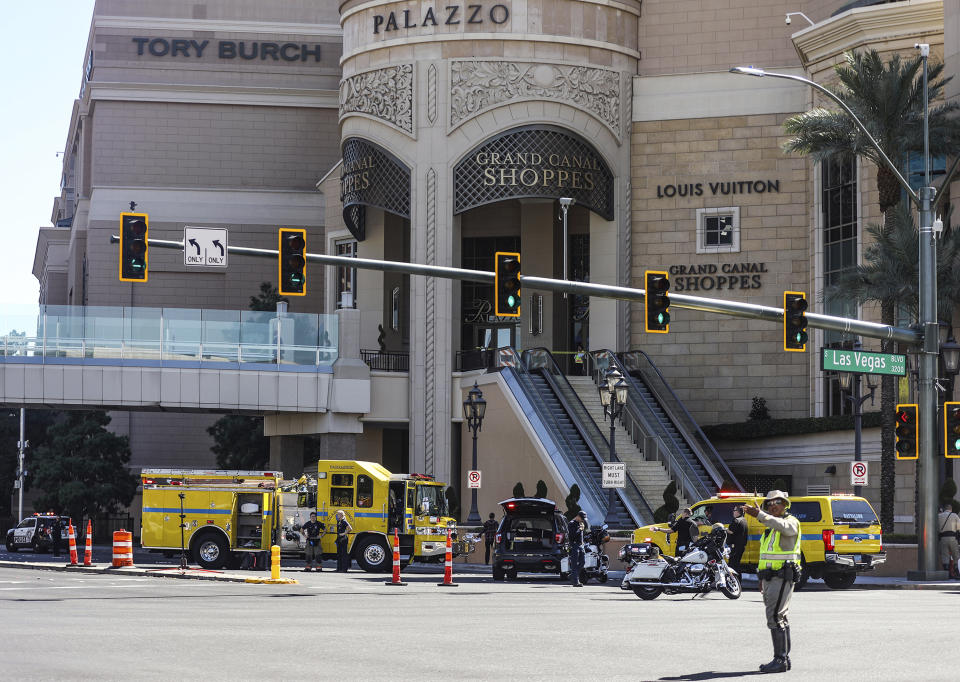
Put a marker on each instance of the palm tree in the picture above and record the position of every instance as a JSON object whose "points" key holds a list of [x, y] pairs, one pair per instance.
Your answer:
{"points": [[888, 100]]}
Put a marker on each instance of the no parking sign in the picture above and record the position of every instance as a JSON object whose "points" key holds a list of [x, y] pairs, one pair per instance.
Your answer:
{"points": [[858, 473], [473, 479]]}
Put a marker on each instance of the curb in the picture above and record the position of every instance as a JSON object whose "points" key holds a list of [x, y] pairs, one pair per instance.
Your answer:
{"points": [[152, 573]]}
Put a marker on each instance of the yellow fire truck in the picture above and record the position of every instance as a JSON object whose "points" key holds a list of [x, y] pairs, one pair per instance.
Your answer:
{"points": [[228, 513]]}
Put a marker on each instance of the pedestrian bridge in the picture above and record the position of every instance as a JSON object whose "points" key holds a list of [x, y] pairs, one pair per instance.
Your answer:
{"points": [[174, 358]]}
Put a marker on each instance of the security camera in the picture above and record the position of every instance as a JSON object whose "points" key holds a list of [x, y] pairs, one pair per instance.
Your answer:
{"points": [[565, 202], [787, 21]]}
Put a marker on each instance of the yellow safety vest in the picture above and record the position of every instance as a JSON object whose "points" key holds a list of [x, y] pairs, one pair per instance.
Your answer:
{"points": [[772, 555]]}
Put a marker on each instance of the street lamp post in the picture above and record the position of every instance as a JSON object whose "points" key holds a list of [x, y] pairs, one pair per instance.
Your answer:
{"points": [[851, 383], [474, 407], [926, 394], [613, 396]]}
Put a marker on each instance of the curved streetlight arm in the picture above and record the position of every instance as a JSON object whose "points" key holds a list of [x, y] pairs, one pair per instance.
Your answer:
{"points": [[751, 71]]}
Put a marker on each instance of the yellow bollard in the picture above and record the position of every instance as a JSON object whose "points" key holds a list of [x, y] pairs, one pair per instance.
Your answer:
{"points": [[275, 562]]}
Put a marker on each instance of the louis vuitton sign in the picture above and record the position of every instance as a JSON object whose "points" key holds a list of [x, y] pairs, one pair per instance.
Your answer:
{"points": [[534, 161]]}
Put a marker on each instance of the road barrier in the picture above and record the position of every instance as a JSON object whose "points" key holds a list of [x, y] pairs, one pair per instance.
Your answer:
{"points": [[122, 548], [396, 561], [88, 549], [448, 564], [275, 562], [73, 544]]}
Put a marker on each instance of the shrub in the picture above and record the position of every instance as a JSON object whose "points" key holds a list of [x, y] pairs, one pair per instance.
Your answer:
{"points": [[670, 504]]}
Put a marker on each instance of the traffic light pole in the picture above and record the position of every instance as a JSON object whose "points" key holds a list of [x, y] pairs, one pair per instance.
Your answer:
{"points": [[710, 305]]}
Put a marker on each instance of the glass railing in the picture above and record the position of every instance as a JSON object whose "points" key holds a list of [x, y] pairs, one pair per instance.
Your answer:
{"points": [[167, 336]]}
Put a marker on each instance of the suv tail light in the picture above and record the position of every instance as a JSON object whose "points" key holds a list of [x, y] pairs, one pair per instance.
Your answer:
{"points": [[558, 538], [828, 539], [498, 538]]}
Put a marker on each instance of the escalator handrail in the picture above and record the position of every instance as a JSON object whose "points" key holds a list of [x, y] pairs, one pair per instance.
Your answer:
{"points": [[638, 507], [672, 404], [642, 413]]}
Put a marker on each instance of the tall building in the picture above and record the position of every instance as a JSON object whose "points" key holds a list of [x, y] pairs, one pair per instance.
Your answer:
{"points": [[441, 133]]}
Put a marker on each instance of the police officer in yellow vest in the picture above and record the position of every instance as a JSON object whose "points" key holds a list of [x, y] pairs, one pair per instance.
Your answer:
{"points": [[778, 570]]}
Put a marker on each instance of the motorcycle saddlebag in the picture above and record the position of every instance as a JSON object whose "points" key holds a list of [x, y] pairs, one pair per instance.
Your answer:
{"points": [[640, 551]]}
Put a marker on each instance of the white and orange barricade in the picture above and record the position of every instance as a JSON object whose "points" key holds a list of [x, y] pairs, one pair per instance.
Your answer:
{"points": [[448, 564], [122, 548], [73, 544], [88, 548], [396, 561]]}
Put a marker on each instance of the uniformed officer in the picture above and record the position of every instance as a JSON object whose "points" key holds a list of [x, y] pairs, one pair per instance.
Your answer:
{"points": [[575, 530], [778, 570]]}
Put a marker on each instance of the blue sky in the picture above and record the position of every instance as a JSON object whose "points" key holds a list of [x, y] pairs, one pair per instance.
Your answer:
{"points": [[45, 46]]}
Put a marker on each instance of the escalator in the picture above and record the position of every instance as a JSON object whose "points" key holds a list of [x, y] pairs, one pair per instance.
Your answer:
{"points": [[656, 415], [571, 437]]}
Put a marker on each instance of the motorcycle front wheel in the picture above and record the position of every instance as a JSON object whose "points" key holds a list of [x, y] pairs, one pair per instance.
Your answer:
{"points": [[647, 593], [732, 588]]}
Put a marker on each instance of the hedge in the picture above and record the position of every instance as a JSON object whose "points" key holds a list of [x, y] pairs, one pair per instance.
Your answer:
{"points": [[768, 428]]}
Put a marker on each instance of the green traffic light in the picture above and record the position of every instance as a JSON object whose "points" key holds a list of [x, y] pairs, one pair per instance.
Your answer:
{"points": [[511, 301], [956, 445]]}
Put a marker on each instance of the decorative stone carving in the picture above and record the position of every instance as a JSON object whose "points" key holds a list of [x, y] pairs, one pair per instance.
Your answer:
{"points": [[385, 94], [432, 94], [477, 85], [430, 355]]}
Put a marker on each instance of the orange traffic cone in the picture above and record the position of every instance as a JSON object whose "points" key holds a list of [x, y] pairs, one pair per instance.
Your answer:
{"points": [[73, 545], [396, 561], [448, 565], [88, 550], [122, 548]]}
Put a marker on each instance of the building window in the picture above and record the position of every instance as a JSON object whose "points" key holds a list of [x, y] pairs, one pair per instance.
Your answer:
{"points": [[346, 277], [839, 205], [718, 230]]}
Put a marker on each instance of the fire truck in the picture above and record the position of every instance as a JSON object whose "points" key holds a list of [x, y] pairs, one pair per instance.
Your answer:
{"points": [[229, 513]]}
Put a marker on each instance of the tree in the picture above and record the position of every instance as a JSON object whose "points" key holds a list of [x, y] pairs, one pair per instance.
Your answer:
{"points": [[518, 490], [573, 499], [81, 468], [541, 488], [888, 100], [38, 423], [238, 441], [670, 504]]}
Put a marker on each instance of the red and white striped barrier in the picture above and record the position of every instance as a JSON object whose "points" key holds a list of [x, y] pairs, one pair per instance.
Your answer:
{"points": [[88, 548], [73, 544], [448, 565], [396, 561]]}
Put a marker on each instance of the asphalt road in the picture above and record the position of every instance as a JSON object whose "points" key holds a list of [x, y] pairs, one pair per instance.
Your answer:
{"points": [[353, 627]]}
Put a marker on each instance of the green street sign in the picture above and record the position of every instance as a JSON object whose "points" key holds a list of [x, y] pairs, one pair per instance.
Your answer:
{"points": [[837, 360]]}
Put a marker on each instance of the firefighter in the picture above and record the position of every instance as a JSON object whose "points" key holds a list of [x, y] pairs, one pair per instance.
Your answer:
{"points": [[343, 541], [313, 531], [778, 570]]}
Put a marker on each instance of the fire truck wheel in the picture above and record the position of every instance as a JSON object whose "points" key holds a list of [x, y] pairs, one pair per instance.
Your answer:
{"points": [[210, 551], [373, 557]]}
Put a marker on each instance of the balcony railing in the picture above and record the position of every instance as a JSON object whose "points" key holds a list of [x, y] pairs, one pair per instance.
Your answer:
{"points": [[175, 337], [386, 361]]}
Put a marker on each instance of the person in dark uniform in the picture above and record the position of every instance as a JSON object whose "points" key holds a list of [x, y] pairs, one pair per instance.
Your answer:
{"points": [[343, 542], [575, 533], [778, 570], [685, 528], [313, 532], [489, 535], [56, 531], [737, 537]]}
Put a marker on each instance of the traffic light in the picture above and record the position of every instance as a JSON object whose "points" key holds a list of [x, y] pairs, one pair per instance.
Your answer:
{"points": [[908, 435], [507, 286], [794, 321], [656, 301], [133, 247], [951, 430], [293, 262]]}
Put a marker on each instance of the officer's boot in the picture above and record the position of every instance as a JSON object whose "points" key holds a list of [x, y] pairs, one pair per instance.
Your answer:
{"points": [[778, 664], [786, 648]]}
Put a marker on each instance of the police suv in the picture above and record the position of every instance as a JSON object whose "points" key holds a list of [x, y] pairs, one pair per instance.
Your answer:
{"points": [[34, 533]]}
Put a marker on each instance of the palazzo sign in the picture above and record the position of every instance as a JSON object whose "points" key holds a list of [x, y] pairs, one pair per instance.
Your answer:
{"points": [[371, 176], [539, 161], [717, 277], [447, 14]]}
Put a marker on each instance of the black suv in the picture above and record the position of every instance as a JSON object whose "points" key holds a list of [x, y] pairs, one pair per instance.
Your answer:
{"points": [[531, 537]]}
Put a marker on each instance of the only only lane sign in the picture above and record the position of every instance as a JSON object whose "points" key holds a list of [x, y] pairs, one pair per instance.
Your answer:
{"points": [[205, 246]]}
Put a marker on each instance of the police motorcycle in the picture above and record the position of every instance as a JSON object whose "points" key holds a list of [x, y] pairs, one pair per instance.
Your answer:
{"points": [[702, 569], [595, 561]]}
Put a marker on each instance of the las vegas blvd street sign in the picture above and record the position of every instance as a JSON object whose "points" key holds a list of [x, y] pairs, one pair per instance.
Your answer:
{"points": [[839, 360]]}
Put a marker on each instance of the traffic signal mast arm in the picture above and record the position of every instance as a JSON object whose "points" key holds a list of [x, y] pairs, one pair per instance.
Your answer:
{"points": [[871, 330]]}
